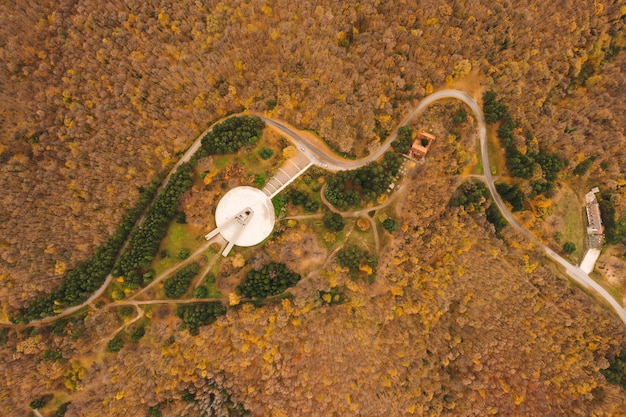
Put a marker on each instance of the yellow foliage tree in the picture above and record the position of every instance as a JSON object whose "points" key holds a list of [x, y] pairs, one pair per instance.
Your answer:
{"points": [[238, 261], [59, 267], [73, 377], [289, 152], [363, 224]]}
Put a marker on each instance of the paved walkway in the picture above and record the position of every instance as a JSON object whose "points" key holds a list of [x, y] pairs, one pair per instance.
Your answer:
{"points": [[286, 174], [309, 154], [589, 261]]}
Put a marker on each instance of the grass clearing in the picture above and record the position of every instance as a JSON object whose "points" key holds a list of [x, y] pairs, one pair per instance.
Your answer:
{"points": [[213, 291], [475, 166], [209, 281], [362, 239], [178, 237], [568, 210], [318, 228], [222, 162], [617, 291], [251, 158], [497, 158], [611, 268]]}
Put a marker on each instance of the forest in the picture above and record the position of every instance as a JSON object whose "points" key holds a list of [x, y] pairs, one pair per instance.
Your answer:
{"points": [[349, 188], [178, 284], [474, 197], [519, 164], [230, 135], [144, 241], [99, 99], [271, 279], [88, 276]]}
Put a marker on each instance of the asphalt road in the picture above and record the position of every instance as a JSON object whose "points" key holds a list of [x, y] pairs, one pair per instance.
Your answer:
{"points": [[323, 156]]}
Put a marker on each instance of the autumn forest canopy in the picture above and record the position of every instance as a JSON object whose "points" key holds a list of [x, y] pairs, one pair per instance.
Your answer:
{"points": [[382, 300]]}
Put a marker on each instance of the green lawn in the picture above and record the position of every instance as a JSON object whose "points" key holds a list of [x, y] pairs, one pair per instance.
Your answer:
{"points": [[222, 162], [179, 236], [213, 292], [317, 226], [569, 207]]}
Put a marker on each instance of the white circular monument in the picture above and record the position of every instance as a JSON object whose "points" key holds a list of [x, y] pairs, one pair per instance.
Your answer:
{"points": [[245, 216]]}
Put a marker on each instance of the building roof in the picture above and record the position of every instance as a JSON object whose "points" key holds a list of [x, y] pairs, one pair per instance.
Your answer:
{"points": [[594, 219], [426, 135], [417, 148], [260, 224]]}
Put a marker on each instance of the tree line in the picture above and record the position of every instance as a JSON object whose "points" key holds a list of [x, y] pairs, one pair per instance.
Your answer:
{"points": [[274, 278], [404, 141], [584, 166], [522, 165], [144, 241], [474, 197], [199, 314], [232, 134], [88, 276], [177, 285], [614, 226], [616, 372], [349, 188]]}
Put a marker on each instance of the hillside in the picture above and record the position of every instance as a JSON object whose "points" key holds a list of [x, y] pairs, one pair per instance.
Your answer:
{"points": [[98, 98]]}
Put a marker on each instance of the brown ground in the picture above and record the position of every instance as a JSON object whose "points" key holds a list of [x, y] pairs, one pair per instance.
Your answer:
{"points": [[612, 267]]}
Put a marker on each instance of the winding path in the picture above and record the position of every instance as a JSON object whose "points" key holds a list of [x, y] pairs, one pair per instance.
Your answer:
{"points": [[71, 310], [573, 271], [322, 156]]}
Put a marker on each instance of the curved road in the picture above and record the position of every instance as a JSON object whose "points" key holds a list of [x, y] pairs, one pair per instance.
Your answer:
{"points": [[71, 310], [321, 155], [326, 158]]}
